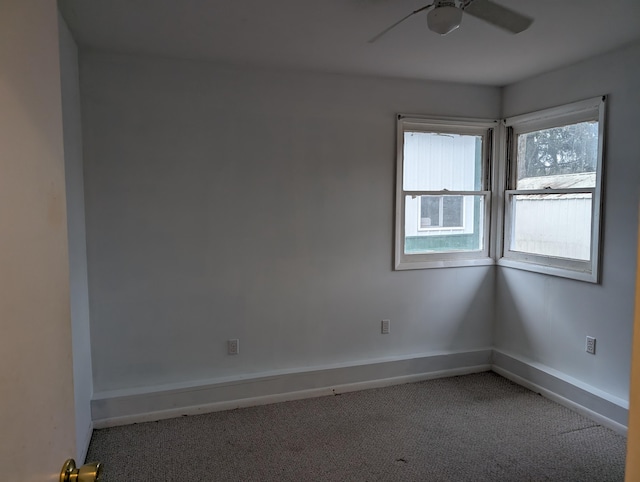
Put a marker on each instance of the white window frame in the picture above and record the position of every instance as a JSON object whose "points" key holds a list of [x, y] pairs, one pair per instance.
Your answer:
{"points": [[589, 270], [462, 126]]}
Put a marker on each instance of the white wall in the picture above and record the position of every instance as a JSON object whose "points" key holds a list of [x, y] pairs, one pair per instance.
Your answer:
{"points": [[37, 423], [546, 319], [79, 292], [197, 235]]}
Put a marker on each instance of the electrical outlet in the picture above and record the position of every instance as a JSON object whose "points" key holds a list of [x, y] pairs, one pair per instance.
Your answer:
{"points": [[386, 327], [591, 345], [233, 346]]}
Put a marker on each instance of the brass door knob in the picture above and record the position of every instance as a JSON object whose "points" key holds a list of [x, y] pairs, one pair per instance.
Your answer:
{"points": [[86, 473]]}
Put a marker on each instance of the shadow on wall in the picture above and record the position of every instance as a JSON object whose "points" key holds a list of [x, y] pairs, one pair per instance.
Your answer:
{"points": [[476, 315], [510, 330]]}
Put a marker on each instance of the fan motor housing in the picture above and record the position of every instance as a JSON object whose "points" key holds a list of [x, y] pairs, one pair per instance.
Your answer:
{"points": [[444, 18]]}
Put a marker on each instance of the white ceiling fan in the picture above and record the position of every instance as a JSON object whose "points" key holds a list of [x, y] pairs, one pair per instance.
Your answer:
{"points": [[445, 16]]}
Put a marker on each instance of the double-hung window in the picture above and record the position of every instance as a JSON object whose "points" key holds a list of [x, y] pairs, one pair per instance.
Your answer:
{"points": [[443, 192], [548, 171], [554, 190]]}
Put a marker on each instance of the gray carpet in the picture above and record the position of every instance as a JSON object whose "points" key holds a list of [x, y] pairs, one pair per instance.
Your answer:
{"points": [[469, 428]]}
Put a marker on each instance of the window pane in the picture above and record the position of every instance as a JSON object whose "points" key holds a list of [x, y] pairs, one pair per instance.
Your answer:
{"points": [[433, 162], [452, 211], [557, 225], [430, 211], [558, 158], [443, 224]]}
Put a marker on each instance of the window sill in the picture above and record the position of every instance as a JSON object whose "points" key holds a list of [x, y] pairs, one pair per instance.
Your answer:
{"points": [[549, 270], [444, 263]]}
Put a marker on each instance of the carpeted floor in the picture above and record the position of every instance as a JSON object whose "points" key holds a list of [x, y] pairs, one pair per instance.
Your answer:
{"points": [[478, 427]]}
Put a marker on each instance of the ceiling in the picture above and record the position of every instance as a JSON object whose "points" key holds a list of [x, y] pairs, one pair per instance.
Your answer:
{"points": [[331, 35]]}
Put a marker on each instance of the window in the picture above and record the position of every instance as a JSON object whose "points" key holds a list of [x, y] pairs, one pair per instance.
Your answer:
{"points": [[437, 212], [549, 173], [442, 193], [553, 196]]}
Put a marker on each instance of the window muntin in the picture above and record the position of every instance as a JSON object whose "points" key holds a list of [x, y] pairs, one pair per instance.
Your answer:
{"points": [[443, 199], [553, 196]]}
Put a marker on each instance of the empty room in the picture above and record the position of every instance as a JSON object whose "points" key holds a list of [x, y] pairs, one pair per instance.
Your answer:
{"points": [[329, 240]]}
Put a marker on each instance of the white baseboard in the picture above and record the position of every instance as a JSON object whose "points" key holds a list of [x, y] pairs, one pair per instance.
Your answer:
{"points": [[83, 446], [134, 406], [603, 408], [148, 404]]}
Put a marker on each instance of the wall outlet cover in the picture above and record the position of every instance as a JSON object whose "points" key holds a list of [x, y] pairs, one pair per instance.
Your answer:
{"points": [[233, 346], [386, 327]]}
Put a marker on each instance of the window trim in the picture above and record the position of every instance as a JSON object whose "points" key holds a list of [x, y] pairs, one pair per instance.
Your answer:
{"points": [[586, 110], [485, 128]]}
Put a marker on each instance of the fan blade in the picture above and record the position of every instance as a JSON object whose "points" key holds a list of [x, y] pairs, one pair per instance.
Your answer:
{"points": [[498, 15], [373, 39]]}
